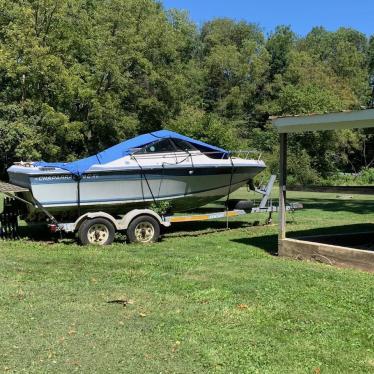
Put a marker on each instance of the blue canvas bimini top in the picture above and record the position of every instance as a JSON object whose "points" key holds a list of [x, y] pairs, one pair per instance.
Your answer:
{"points": [[128, 147]]}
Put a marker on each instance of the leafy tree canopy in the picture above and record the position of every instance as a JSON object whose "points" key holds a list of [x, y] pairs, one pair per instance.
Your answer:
{"points": [[77, 76]]}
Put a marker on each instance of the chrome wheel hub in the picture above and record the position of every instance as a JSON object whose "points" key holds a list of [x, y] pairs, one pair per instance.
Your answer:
{"points": [[144, 232], [98, 234]]}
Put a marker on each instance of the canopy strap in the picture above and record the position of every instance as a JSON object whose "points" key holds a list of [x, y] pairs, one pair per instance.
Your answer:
{"points": [[145, 178]]}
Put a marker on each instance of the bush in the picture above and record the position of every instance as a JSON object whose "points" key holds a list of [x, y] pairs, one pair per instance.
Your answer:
{"points": [[367, 176], [299, 168]]}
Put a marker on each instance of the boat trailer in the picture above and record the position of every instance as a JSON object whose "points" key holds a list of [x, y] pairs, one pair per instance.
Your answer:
{"points": [[141, 225]]}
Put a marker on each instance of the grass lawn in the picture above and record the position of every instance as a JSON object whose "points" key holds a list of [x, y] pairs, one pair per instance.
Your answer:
{"points": [[215, 302]]}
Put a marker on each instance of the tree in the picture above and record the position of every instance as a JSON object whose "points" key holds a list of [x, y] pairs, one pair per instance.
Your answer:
{"points": [[77, 76], [279, 45]]}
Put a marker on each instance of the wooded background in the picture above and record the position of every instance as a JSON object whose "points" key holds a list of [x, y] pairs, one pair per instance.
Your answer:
{"points": [[77, 76]]}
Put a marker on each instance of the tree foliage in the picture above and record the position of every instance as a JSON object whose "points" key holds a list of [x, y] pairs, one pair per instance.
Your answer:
{"points": [[77, 76]]}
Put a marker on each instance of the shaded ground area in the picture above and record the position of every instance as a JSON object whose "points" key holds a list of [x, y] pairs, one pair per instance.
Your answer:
{"points": [[353, 236], [357, 206]]}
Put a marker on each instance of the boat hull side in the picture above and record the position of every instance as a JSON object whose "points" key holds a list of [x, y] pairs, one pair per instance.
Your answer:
{"points": [[117, 193]]}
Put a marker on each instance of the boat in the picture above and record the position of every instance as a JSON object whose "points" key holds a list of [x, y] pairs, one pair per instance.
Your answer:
{"points": [[161, 168]]}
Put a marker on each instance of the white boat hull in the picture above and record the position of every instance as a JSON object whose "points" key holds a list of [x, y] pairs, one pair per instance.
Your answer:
{"points": [[119, 192]]}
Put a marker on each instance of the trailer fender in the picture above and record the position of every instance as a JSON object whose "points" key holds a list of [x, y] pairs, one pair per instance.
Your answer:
{"points": [[75, 226], [125, 221]]}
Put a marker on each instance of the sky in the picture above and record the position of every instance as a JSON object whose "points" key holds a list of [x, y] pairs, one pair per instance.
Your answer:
{"points": [[301, 15]]}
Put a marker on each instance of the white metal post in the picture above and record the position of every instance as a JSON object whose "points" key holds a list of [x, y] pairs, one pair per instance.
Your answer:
{"points": [[282, 185]]}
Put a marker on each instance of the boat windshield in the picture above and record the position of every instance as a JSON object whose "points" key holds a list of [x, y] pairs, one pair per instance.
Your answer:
{"points": [[159, 146], [183, 146], [167, 146]]}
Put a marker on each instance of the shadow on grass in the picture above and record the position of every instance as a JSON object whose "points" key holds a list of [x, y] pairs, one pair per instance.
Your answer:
{"points": [[268, 243], [202, 227], [343, 229], [336, 205], [196, 228], [358, 236], [40, 233], [37, 232]]}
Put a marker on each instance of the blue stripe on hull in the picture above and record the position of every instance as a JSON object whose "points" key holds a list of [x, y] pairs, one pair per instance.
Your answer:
{"points": [[100, 178], [150, 174]]}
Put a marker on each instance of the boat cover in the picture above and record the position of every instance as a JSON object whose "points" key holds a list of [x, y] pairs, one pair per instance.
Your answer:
{"points": [[127, 148]]}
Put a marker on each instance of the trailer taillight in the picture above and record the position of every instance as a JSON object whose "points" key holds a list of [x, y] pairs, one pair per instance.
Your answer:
{"points": [[53, 228]]}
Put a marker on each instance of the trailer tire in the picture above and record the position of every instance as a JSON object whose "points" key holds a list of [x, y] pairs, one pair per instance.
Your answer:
{"points": [[143, 229], [246, 205], [96, 231]]}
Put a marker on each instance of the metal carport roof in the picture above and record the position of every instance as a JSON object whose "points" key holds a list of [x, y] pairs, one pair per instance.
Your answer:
{"points": [[331, 121]]}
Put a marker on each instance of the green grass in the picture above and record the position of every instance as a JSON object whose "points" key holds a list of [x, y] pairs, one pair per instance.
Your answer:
{"points": [[218, 302]]}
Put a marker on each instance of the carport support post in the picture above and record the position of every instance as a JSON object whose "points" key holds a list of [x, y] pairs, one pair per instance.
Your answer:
{"points": [[282, 185]]}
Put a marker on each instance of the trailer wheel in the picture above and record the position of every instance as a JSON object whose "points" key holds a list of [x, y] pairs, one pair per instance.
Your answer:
{"points": [[97, 231], [143, 229], [246, 205]]}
